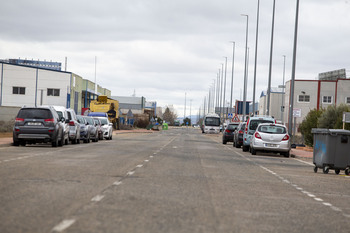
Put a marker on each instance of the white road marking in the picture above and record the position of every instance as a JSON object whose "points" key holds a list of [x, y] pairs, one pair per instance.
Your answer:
{"points": [[311, 164], [117, 183], [64, 225], [140, 165], [97, 198], [318, 199], [146, 160], [151, 156], [130, 173]]}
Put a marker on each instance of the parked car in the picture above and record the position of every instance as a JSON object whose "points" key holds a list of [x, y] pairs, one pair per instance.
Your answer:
{"points": [[238, 135], [107, 128], [74, 126], [270, 138], [62, 112], [93, 131], [99, 128], [84, 129], [38, 125], [227, 135], [251, 126]]}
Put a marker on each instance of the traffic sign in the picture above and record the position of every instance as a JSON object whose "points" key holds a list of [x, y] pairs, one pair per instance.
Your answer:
{"points": [[235, 119], [230, 115]]}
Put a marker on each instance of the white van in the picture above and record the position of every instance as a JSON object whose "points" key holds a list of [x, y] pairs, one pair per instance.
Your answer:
{"points": [[211, 123]]}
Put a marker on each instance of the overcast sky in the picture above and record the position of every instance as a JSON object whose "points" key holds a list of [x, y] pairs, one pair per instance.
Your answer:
{"points": [[164, 49]]}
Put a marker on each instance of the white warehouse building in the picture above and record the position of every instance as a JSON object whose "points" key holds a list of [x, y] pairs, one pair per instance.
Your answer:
{"points": [[22, 85]]}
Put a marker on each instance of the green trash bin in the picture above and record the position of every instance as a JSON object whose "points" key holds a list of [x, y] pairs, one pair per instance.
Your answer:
{"points": [[165, 126]]}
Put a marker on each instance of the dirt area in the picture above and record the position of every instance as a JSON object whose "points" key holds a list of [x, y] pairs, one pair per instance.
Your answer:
{"points": [[6, 135]]}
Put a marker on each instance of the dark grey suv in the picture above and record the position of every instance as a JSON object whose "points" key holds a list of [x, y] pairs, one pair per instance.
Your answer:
{"points": [[36, 125]]}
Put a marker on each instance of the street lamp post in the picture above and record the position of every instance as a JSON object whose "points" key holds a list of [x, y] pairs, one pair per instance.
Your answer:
{"points": [[256, 55], [290, 117], [225, 87], [233, 67], [270, 67], [245, 71], [283, 89]]}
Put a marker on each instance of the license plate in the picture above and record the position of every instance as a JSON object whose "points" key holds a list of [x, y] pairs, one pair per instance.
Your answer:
{"points": [[270, 145], [34, 123]]}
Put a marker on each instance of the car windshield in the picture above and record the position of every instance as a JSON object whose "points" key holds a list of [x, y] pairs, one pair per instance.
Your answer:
{"points": [[231, 127], [59, 114], [212, 121], [80, 119], [89, 120], [253, 124], [272, 129], [34, 113], [104, 121]]}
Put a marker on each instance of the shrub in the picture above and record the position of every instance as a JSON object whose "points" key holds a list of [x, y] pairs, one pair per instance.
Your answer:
{"points": [[308, 123]]}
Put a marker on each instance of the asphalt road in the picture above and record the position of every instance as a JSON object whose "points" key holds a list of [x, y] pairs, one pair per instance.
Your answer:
{"points": [[170, 181]]}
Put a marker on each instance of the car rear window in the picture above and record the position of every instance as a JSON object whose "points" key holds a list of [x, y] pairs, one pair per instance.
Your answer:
{"points": [[272, 129], [231, 127], [34, 113], [103, 121], [80, 119], [253, 124]]}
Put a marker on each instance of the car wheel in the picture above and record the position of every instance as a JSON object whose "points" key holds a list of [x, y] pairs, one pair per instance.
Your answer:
{"points": [[60, 142], [66, 142], [23, 143], [74, 141], [286, 154], [252, 151], [224, 142], [245, 148], [55, 143], [78, 141], [15, 143], [110, 137]]}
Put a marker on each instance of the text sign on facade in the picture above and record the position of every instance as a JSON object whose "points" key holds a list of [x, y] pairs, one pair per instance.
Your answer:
{"points": [[297, 112], [346, 117]]}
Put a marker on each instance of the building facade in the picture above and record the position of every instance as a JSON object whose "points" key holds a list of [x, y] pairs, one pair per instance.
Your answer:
{"points": [[276, 106], [316, 94], [34, 86]]}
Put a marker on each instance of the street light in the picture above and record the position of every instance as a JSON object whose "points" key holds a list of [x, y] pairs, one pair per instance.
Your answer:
{"points": [[270, 67], [245, 71], [233, 67], [225, 86], [256, 55], [290, 117]]}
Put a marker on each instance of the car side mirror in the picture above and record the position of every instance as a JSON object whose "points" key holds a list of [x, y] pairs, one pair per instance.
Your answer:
{"points": [[62, 119], [110, 124], [67, 121]]}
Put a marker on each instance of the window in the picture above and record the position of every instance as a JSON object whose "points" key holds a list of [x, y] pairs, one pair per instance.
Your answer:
{"points": [[18, 90], [327, 99], [53, 92], [304, 98], [347, 100]]}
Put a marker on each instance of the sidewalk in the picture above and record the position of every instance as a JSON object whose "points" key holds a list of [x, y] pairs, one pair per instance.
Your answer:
{"points": [[302, 152], [7, 141]]}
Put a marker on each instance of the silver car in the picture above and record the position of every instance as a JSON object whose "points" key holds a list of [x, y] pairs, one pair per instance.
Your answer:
{"points": [[270, 138]]}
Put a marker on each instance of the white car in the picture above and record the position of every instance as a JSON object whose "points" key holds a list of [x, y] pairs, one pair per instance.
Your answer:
{"points": [[269, 137], [107, 128]]}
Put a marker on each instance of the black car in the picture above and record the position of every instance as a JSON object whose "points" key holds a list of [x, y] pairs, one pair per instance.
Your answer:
{"points": [[227, 135], [238, 135], [38, 125]]}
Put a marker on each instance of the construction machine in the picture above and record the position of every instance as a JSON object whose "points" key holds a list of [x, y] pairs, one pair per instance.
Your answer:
{"points": [[107, 105]]}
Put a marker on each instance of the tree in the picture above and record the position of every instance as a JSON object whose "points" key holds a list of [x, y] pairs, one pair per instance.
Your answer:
{"points": [[332, 117], [169, 116], [308, 123], [187, 120]]}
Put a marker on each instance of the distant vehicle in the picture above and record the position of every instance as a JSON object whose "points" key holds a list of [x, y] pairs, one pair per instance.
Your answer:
{"points": [[93, 131], [109, 106], [62, 112], [176, 123], [227, 135], [270, 138], [74, 126], [238, 135], [251, 126], [211, 123], [99, 127], [38, 125], [107, 128], [84, 129]]}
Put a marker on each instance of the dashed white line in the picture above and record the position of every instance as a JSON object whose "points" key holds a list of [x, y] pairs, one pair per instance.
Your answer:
{"points": [[318, 199], [146, 160], [117, 183], [97, 198], [64, 225], [140, 165], [130, 173]]}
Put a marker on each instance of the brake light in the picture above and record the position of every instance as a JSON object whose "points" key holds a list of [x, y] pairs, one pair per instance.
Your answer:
{"points": [[19, 119], [240, 132], [246, 126], [257, 135], [49, 120], [51, 130], [227, 131], [285, 138], [71, 123]]}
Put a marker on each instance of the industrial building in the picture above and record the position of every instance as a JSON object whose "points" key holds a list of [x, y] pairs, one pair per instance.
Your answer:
{"points": [[37, 84]]}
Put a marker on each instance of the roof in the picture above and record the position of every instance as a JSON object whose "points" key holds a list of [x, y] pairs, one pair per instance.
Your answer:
{"points": [[273, 90]]}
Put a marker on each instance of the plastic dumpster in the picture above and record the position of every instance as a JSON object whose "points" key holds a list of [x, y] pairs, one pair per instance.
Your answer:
{"points": [[165, 126], [331, 150]]}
